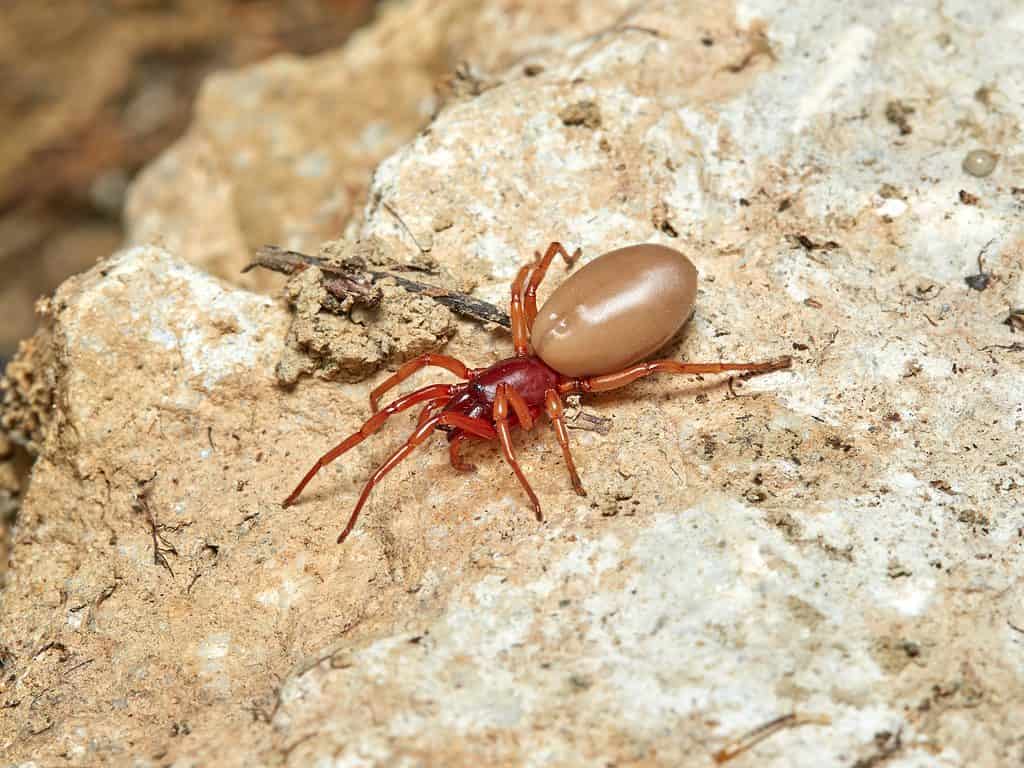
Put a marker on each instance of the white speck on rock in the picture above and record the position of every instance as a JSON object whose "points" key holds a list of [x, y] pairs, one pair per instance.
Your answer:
{"points": [[848, 56], [212, 651], [892, 207]]}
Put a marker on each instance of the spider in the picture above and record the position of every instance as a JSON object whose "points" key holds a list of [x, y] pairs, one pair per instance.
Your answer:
{"points": [[587, 337]]}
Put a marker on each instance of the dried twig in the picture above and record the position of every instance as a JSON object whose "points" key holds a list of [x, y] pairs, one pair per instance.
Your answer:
{"points": [[359, 284], [404, 226], [341, 284], [762, 732], [590, 422], [161, 547], [577, 418], [1015, 347]]}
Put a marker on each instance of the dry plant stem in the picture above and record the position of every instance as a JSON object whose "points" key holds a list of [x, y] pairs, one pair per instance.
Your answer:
{"points": [[590, 422], [290, 262], [762, 732]]}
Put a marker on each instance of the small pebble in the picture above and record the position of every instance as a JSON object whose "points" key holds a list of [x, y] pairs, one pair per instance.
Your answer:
{"points": [[979, 162]]}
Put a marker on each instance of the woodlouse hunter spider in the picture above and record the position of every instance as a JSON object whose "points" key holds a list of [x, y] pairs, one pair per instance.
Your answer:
{"points": [[587, 337]]}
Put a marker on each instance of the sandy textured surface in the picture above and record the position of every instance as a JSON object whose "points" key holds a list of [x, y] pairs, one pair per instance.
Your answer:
{"points": [[841, 540]]}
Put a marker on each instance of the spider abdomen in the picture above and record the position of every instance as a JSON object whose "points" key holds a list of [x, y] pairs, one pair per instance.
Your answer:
{"points": [[620, 308]]}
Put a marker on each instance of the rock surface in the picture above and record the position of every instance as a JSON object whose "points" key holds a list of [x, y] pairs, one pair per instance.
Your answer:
{"points": [[283, 153], [841, 540], [92, 92]]}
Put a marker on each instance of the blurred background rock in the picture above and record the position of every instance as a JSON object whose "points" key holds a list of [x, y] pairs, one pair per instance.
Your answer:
{"points": [[92, 91]]}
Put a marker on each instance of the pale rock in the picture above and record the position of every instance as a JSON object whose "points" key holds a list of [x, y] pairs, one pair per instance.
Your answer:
{"points": [[840, 540]]}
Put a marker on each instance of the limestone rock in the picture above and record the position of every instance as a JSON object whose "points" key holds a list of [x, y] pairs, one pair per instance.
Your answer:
{"points": [[93, 91], [840, 540], [282, 153]]}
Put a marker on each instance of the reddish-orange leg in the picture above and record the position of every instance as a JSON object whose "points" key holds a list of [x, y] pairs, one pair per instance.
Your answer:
{"points": [[640, 370], [520, 329], [501, 406], [429, 411], [477, 427], [537, 277], [456, 458], [553, 406], [409, 368], [435, 392], [520, 408]]}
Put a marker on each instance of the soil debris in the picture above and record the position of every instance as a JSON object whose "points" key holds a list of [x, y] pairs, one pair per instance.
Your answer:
{"points": [[353, 314], [585, 113], [897, 113]]}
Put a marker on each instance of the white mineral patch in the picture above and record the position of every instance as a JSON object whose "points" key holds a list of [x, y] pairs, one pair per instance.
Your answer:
{"points": [[212, 652]]}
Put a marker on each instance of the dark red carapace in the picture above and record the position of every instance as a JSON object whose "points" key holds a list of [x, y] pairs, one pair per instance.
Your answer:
{"points": [[588, 337]]}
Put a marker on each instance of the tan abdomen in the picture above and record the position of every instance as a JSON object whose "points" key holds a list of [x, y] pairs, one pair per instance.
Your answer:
{"points": [[618, 309]]}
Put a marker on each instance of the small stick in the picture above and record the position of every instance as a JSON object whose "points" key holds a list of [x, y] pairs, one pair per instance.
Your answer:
{"points": [[408, 231], [762, 732], [1015, 347], [290, 262], [161, 547], [590, 423]]}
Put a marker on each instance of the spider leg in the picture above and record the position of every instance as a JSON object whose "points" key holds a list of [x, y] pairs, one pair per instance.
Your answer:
{"points": [[520, 408], [454, 442], [640, 370], [429, 411], [553, 405], [537, 277], [435, 393], [520, 330], [501, 406], [477, 427], [409, 368]]}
